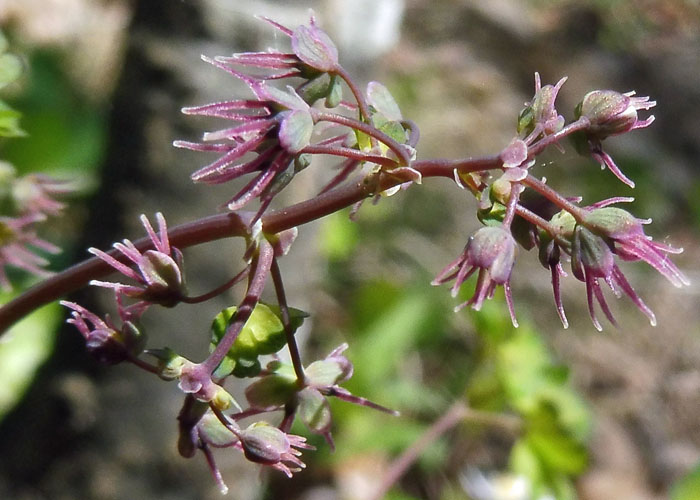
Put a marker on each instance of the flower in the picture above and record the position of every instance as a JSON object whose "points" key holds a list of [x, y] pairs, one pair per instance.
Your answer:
{"points": [[279, 388], [16, 235], [540, 116], [104, 341], [33, 194], [157, 272], [277, 125], [264, 444], [610, 113], [593, 243], [631, 244], [491, 250], [592, 259]]}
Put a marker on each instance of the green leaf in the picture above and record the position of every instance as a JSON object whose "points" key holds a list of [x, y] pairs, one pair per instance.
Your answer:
{"points": [[23, 350], [556, 448], [687, 487], [262, 334]]}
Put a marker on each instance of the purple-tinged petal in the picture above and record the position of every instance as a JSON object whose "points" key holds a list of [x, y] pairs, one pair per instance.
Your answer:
{"points": [[272, 60], [509, 301], [198, 146], [122, 268], [224, 109], [314, 47], [345, 395], [557, 271], [259, 183], [295, 130]]}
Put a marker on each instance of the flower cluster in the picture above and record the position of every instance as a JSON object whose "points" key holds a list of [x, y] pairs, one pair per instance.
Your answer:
{"points": [[278, 388], [273, 132], [590, 236], [299, 110], [27, 201]]}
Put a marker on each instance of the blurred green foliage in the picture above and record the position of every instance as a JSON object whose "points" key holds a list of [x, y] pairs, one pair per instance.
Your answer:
{"points": [[688, 487], [65, 137], [412, 353]]}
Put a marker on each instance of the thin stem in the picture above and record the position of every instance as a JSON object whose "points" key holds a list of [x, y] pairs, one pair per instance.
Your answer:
{"points": [[78, 276], [549, 193], [580, 124], [226, 225], [543, 224], [457, 413], [256, 282], [218, 290], [513, 199], [392, 144], [284, 309], [354, 154], [359, 96], [143, 365]]}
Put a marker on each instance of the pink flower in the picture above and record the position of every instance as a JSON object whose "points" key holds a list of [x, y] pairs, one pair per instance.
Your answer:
{"points": [[103, 339], [157, 272], [491, 251], [264, 444], [611, 113], [16, 236]]}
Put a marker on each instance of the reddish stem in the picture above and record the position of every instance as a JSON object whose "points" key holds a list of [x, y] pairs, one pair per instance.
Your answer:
{"points": [[226, 225], [261, 265]]}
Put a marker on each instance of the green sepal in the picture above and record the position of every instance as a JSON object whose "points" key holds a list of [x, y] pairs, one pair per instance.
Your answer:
{"points": [[335, 93], [314, 411], [316, 88], [273, 390]]}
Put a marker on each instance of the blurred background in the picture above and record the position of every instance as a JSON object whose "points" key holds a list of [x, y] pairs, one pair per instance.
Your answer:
{"points": [[555, 413]]}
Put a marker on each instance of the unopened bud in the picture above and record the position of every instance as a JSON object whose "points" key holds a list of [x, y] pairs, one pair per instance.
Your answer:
{"points": [[492, 248], [613, 222], [612, 113], [170, 363]]}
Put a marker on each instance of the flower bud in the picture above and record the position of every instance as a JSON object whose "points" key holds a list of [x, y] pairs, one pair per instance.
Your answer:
{"points": [[612, 113], [492, 248], [163, 277], [613, 222], [170, 363], [565, 223], [106, 346], [315, 412], [268, 445]]}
